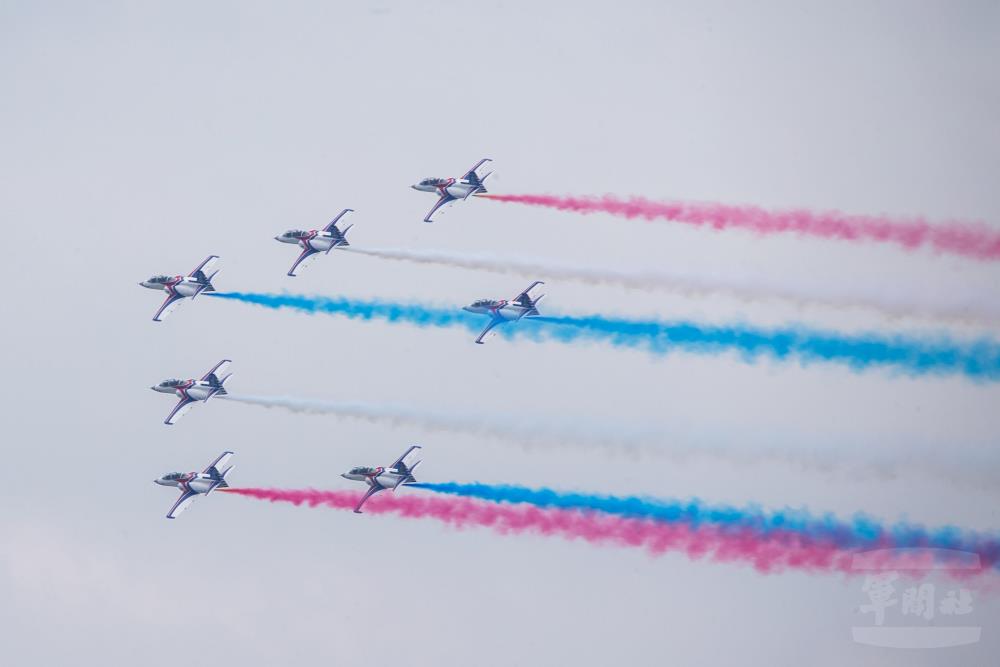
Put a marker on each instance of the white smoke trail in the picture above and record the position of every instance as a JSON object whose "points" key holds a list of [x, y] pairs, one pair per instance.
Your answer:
{"points": [[531, 432], [635, 442], [969, 308]]}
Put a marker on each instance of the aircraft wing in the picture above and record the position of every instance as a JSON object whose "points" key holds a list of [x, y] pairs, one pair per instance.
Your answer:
{"points": [[444, 199], [182, 504], [399, 461], [304, 255], [219, 463], [179, 410], [205, 266], [333, 223], [372, 490], [489, 327], [216, 370], [167, 306], [471, 174]]}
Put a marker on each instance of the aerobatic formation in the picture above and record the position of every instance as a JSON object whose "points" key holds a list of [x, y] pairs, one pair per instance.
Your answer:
{"points": [[768, 541]]}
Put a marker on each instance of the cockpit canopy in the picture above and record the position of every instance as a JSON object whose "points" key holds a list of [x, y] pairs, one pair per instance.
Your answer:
{"points": [[362, 470], [160, 279], [484, 303], [171, 382], [295, 233], [173, 475], [434, 181]]}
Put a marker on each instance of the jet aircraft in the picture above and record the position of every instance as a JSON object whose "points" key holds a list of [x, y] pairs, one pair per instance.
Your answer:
{"points": [[502, 311], [190, 391], [194, 484], [448, 189], [316, 240], [380, 479], [180, 287]]}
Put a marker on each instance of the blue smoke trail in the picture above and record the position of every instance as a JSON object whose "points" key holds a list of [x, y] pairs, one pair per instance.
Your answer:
{"points": [[421, 316], [978, 360], [860, 532]]}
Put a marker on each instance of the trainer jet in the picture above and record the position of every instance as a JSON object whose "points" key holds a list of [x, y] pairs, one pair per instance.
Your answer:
{"points": [[194, 484], [316, 240], [502, 311], [448, 189], [190, 391], [380, 479], [180, 287]]}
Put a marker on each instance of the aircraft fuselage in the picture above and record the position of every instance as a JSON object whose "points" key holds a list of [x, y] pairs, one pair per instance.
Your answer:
{"points": [[180, 285], [379, 477], [196, 482], [450, 186], [316, 239], [197, 390], [503, 310]]}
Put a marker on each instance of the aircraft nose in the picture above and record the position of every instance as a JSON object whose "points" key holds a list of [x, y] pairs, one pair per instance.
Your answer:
{"points": [[467, 309], [345, 475], [414, 187]]}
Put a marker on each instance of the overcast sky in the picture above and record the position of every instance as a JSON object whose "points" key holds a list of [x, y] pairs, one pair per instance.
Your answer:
{"points": [[140, 137]]}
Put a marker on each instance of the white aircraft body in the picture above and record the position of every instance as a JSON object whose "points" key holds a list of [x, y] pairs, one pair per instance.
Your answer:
{"points": [[181, 287], [522, 305], [380, 479], [194, 484], [316, 241], [449, 190], [190, 391]]}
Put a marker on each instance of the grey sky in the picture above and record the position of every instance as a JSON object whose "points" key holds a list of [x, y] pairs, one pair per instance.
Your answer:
{"points": [[139, 137]]}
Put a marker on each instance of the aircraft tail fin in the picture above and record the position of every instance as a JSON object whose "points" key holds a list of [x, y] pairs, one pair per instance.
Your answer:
{"points": [[482, 182], [221, 476], [218, 383], [408, 470], [340, 240], [478, 183], [409, 479], [343, 234], [534, 311], [526, 301], [200, 276], [222, 384]]}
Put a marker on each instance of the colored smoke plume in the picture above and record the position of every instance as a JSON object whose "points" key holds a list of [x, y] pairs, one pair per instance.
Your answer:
{"points": [[971, 240]]}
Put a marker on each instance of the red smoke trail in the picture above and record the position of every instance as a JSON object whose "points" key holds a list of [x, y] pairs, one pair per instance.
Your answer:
{"points": [[976, 241], [771, 552]]}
